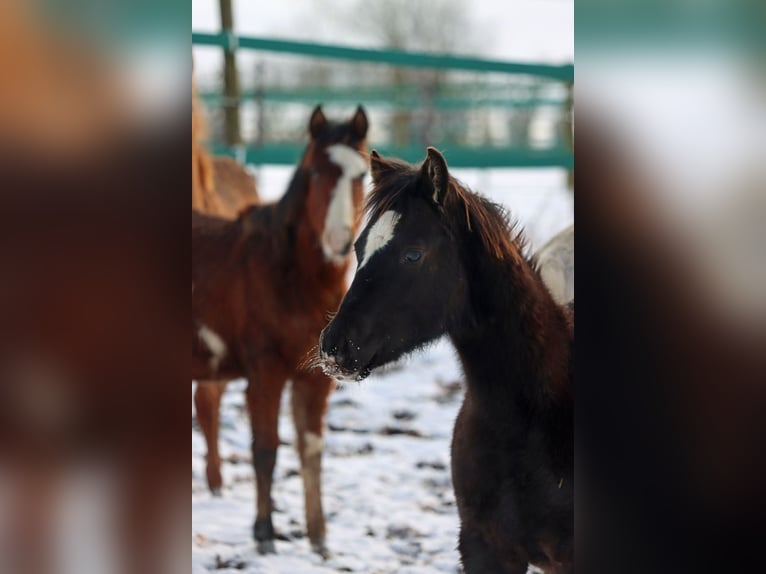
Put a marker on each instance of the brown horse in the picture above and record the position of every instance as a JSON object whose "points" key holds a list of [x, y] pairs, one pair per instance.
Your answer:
{"points": [[262, 287], [437, 259], [88, 307], [89, 349], [220, 186]]}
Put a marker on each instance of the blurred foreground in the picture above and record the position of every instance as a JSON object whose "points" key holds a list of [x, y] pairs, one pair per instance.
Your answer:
{"points": [[671, 214], [92, 261]]}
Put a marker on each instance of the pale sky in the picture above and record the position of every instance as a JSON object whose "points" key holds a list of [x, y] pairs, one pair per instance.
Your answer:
{"points": [[518, 30]]}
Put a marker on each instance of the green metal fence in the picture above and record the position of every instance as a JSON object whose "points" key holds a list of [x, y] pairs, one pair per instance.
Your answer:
{"points": [[401, 96], [229, 41], [452, 97]]}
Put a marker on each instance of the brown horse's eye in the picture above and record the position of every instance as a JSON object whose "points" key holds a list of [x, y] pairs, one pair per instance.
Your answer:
{"points": [[412, 255]]}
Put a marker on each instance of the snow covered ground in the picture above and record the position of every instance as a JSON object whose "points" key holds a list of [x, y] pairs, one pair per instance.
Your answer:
{"points": [[387, 492]]}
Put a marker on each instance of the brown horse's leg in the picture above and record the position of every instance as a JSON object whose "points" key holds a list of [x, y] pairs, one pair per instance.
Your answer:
{"points": [[263, 397], [207, 400], [309, 402]]}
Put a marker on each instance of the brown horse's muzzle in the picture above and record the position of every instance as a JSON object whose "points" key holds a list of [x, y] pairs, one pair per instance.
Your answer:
{"points": [[337, 242]]}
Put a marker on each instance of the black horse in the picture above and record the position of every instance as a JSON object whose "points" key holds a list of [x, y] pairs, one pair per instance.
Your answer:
{"points": [[434, 259]]}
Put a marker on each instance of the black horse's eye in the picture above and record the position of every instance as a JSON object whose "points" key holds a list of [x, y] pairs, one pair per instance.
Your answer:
{"points": [[412, 255]]}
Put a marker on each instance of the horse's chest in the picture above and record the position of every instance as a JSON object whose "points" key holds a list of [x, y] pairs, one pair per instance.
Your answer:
{"points": [[292, 318], [504, 481], [485, 464]]}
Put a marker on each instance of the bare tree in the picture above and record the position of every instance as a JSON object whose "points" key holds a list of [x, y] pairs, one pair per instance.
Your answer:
{"points": [[433, 25], [441, 26]]}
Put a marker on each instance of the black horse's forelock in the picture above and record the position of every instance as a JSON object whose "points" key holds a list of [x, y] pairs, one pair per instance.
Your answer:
{"points": [[390, 186], [466, 212]]}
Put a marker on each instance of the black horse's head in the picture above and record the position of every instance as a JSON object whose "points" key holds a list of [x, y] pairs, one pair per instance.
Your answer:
{"points": [[409, 281]]}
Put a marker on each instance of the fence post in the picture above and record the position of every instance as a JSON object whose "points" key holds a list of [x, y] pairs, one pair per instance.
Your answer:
{"points": [[230, 79], [569, 130]]}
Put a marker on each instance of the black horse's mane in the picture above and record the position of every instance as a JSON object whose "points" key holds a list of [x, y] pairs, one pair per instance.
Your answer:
{"points": [[464, 211]]}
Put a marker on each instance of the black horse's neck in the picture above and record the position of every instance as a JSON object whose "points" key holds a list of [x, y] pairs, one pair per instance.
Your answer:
{"points": [[513, 340]]}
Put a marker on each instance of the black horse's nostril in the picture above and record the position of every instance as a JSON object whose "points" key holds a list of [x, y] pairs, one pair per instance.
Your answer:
{"points": [[339, 352], [325, 347]]}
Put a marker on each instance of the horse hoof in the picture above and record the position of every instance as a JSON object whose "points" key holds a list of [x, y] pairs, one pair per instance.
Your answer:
{"points": [[320, 548], [214, 480], [266, 547], [216, 492]]}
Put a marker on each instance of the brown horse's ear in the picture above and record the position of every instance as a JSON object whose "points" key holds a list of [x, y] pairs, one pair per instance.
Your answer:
{"points": [[435, 174], [359, 123], [317, 122], [378, 166]]}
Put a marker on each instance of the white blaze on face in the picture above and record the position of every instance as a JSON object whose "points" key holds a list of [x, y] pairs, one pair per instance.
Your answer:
{"points": [[380, 234], [216, 345], [339, 222]]}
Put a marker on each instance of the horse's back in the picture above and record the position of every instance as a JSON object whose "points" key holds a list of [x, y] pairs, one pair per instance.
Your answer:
{"points": [[208, 228], [214, 240], [234, 186]]}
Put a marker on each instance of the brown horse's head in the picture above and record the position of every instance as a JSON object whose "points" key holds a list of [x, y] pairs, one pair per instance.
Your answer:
{"points": [[335, 167]]}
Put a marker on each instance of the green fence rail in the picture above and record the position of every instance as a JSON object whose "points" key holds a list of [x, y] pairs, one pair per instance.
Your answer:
{"points": [[401, 98], [458, 156], [385, 98], [227, 41]]}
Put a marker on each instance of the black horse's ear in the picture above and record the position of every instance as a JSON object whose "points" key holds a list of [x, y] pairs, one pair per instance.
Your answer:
{"points": [[317, 122], [359, 123], [377, 166], [435, 174]]}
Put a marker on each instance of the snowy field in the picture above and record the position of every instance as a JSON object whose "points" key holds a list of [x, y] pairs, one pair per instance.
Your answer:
{"points": [[387, 493]]}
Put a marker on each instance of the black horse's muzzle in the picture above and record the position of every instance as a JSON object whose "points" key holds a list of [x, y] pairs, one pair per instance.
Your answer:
{"points": [[342, 357]]}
